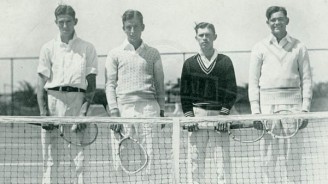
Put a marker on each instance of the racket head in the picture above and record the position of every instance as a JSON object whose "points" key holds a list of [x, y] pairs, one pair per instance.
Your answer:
{"points": [[245, 131], [83, 137], [285, 127], [132, 155]]}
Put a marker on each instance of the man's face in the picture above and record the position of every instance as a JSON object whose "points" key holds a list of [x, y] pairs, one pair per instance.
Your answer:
{"points": [[277, 23], [133, 29], [205, 38], [66, 24]]}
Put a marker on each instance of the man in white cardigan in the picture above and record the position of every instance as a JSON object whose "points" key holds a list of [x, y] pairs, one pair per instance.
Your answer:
{"points": [[280, 79]]}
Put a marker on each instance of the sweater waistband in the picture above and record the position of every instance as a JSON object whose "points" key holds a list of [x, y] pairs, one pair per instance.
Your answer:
{"points": [[280, 96]]}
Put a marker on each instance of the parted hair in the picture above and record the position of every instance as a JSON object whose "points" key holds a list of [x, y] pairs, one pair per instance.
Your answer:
{"points": [[274, 9], [130, 14], [204, 25], [64, 10]]}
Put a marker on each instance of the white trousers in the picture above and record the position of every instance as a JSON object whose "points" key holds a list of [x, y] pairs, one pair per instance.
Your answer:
{"points": [[54, 148], [291, 151], [142, 131], [218, 146]]}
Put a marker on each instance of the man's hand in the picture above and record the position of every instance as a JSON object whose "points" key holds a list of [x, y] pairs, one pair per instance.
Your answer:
{"points": [[78, 127], [114, 112], [258, 125], [161, 114], [117, 128], [222, 127], [44, 113], [49, 126], [304, 122], [191, 127]]}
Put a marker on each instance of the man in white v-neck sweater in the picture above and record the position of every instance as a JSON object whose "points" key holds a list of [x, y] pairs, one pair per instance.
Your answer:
{"points": [[134, 75], [135, 84], [280, 73], [280, 79]]}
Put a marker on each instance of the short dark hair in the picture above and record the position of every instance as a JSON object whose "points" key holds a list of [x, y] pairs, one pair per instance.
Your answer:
{"points": [[130, 14], [274, 9], [204, 25], [64, 10]]}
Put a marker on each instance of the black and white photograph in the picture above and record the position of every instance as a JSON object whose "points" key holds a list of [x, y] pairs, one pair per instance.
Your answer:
{"points": [[163, 92]]}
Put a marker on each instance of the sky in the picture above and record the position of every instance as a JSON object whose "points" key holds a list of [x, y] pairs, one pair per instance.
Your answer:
{"points": [[27, 24]]}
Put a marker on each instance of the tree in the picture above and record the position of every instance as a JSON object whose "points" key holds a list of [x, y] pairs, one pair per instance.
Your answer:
{"points": [[26, 95]]}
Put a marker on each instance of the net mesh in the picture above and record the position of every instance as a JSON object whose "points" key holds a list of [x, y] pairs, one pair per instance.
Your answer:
{"points": [[175, 155]]}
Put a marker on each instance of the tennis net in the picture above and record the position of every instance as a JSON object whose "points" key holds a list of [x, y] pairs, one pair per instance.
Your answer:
{"points": [[175, 155]]}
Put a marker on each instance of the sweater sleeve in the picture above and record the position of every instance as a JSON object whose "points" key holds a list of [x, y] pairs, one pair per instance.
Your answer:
{"points": [[254, 79], [306, 78], [185, 90], [111, 71], [231, 88], [159, 81]]}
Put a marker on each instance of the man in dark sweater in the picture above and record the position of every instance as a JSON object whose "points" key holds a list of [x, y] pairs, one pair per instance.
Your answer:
{"points": [[208, 88]]}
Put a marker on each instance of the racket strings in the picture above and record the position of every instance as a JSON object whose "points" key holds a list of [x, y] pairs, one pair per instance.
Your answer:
{"points": [[245, 132], [283, 128], [80, 137], [133, 156]]}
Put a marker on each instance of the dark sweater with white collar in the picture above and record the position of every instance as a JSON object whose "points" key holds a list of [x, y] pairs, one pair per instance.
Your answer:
{"points": [[212, 88]]}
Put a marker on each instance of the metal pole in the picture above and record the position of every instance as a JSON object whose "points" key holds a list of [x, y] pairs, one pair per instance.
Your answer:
{"points": [[12, 85], [4, 92]]}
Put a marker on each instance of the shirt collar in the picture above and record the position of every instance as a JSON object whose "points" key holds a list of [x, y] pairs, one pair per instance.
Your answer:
{"points": [[58, 39], [272, 39], [128, 46], [215, 54]]}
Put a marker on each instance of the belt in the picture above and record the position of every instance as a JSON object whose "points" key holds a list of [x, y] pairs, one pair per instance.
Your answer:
{"points": [[208, 106], [67, 89]]}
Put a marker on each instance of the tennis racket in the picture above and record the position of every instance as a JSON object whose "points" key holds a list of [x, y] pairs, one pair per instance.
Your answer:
{"points": [[82, 137], [132, 155], [283, 128], [244, 132]]}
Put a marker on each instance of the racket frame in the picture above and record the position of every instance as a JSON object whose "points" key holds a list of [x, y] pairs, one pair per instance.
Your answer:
{"points": [[124, 138], [242, 125], [270, 130], [62, 135], [230, 127]]}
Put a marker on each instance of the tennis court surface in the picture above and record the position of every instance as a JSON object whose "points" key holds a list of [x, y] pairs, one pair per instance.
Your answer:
{"points": [[21, 159]]}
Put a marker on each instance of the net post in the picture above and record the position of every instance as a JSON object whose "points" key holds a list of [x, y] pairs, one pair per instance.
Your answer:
{"points": [[176, 150]]}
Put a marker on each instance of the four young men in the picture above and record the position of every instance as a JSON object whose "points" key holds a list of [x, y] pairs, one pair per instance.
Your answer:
{"points": [[135, 88]]}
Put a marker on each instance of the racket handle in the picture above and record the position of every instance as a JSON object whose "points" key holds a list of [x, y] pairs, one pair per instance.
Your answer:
{"points": [[61, 130], [241, 125], [37, 124], [211, 127], [200, 127]]}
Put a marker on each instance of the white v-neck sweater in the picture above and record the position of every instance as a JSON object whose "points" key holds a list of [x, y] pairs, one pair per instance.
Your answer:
{"points": [[280, 74]]}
